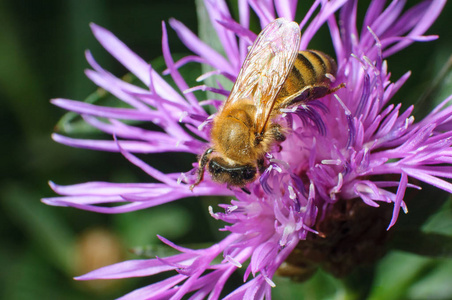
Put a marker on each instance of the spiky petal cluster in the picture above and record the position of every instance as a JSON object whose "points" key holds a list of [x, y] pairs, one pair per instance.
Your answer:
{"points": [[336, 148]]}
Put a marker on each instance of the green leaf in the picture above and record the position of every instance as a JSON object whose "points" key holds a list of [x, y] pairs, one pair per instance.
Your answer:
{"points": [[395, 273], [440, 87], [407, 276], [320, 286], [441, 221], [207, 33], [435, 285]]}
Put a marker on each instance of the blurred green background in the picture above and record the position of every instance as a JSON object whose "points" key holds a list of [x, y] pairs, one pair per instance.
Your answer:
{"points": [[42, 47]]}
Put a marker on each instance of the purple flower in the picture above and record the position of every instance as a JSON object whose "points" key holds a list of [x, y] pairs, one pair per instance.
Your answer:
{"points": [[345, 147]]}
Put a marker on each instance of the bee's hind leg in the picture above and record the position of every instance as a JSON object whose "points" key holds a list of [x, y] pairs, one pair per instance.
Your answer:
{"points": [[203, 160], [246, 190], [310, 92], [261, 166]]}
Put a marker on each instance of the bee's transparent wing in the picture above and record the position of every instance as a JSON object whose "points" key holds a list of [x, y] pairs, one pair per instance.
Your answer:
{"points": [[266, 68]]}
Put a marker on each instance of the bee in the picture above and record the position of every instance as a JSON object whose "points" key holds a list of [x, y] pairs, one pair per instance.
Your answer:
{"points": [[274, 75]]}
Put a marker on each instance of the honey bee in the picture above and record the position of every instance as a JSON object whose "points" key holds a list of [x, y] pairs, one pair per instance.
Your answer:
{"points": [[274, 75]]}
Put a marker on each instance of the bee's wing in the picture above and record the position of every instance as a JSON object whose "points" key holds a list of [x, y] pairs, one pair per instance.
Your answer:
{"points": [[266, 68]]}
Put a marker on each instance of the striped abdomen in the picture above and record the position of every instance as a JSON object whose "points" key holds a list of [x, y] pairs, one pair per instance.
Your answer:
{"points": [[309, 69]]}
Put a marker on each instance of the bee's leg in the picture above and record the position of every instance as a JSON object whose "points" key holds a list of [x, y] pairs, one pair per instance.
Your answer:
{"points": [[203, 160], [311, 92], [246, 190], [276, 132], [235, 188], [342, 85], [329, 91], [261, 165]]}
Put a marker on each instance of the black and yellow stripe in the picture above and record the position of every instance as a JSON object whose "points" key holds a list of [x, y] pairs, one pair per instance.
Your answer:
{"points": [[309, 69]]}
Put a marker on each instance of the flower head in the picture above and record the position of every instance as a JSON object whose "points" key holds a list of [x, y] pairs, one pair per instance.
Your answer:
{"points": [[350, 148]]}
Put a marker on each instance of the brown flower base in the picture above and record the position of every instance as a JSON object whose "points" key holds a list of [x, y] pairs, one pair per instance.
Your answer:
{"points": [[351, 234]]}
